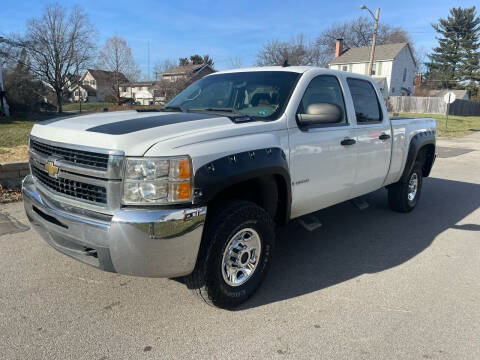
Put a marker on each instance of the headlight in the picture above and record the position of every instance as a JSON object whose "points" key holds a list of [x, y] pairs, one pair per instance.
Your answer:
{"points": [[157, 181]]}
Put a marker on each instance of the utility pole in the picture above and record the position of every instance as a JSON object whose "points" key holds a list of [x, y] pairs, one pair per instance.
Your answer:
{"points": [[376, 17]]}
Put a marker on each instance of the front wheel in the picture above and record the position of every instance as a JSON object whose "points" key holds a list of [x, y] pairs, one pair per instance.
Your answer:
{"points": [[235, 255], [404, 195]]}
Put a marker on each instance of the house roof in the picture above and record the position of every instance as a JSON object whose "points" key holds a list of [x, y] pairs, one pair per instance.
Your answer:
{"points": [[105, 76], [186, 69], [362, 54]]}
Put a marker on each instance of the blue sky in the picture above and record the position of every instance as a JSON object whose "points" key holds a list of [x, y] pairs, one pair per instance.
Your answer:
{"points": [[228, 29]]}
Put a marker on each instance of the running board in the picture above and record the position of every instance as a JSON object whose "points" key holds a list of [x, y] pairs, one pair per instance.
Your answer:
{"points": [[360, 203], [310, 222]]}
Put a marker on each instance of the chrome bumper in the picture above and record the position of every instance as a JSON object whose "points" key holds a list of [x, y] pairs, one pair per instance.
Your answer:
{"points": [[153, 243]]}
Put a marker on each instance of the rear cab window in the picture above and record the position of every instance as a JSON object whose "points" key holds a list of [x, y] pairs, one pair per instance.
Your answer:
{"points": [[365, 101]]}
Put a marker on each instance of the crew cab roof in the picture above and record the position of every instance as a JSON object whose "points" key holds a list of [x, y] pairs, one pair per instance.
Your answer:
{"points": [[297, 69]]}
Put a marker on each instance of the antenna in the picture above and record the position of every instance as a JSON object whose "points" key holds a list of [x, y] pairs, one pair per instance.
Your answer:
{"points": [[148, 59]]}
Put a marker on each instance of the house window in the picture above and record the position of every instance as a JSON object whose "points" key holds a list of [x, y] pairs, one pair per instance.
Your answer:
{"points": [[344, 68], [393, 90], [92, 82], [404, 74]]}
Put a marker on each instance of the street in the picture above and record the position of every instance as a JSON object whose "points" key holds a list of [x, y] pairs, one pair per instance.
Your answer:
{"points": [[368, 284]]}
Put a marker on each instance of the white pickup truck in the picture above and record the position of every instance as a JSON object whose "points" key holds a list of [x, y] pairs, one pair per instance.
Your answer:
{"points": [[196, 189]]}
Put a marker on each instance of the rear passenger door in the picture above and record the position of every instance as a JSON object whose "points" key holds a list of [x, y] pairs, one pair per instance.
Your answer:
{"points": [[373, 135]]}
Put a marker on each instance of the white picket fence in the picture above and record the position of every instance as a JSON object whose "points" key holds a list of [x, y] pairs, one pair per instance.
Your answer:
{"points": [[432, 105]]}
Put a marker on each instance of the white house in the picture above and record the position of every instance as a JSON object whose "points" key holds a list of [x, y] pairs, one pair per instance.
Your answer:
{"points": [[94, 85], [141, 92], [394, 66]]}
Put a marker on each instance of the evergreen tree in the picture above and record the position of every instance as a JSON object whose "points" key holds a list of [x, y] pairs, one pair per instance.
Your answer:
{"points": [[196, 60], [470, 44], [454, 62]]}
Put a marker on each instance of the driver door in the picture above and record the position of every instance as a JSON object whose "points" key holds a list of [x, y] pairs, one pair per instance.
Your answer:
{"points": [[323, 164]]}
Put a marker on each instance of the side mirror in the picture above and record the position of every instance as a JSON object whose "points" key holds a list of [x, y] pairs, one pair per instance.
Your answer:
{"points": [[321, 113]]}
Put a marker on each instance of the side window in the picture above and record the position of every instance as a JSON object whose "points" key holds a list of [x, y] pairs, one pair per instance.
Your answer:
{"points": [[365, 101], [323, 89]]}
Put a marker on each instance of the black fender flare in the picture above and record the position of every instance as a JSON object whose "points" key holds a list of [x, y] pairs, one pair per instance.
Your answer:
{"points": [[216, 176], [417, 142]]}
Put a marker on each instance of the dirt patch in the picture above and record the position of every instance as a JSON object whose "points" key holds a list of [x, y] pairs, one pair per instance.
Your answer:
{"points": [[14, 154], [9, 195]]}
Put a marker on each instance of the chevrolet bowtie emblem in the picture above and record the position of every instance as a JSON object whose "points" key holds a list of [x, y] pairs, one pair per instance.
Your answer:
{"points": [[51, 169]]}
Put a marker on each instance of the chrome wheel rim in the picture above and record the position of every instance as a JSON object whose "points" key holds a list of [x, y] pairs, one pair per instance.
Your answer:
{"points": [[412, 186], [241, 257]]}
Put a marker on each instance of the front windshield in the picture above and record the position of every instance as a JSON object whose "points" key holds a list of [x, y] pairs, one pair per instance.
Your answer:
{"points": [[259, 94]]}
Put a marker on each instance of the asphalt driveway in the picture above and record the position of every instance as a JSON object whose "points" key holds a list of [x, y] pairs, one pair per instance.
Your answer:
{"points": [[368, 284]]}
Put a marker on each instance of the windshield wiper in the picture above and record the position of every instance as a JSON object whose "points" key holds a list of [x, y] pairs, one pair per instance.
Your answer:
{"points": [[174, 107], [220, 109], [234, 112]]}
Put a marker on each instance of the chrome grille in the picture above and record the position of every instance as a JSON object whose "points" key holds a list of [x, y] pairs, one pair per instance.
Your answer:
{"points": [[74, 156], [76, 189]]}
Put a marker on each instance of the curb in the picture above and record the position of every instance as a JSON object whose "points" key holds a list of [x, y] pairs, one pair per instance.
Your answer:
{"points": [[12, 174]]}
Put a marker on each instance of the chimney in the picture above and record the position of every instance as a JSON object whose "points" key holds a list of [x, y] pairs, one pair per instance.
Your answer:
{"points": [[339, 47], [418, 80]]}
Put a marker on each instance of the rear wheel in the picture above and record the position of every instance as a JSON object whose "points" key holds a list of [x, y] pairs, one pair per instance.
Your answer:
{"points": [[404, 195], [234, 256]]}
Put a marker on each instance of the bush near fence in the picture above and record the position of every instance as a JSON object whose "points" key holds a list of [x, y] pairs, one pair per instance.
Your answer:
{"points": [[432, 105]]}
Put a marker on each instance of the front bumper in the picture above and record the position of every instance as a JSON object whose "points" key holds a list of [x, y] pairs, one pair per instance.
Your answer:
{"points": [[153, 243]]}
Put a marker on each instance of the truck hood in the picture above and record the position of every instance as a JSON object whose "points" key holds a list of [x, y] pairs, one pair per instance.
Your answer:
{"points": [[134, 132]]}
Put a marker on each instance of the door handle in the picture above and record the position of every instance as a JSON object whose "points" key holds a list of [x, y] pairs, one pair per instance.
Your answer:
{"points": [[348, 141], [384, 136]]}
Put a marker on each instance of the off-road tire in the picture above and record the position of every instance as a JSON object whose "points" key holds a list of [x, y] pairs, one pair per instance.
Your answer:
{"points": [[398, 192], [207, 281]]}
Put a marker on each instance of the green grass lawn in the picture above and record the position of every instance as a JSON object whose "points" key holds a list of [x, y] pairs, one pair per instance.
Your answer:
{"points": [[457, 125], [87, 107], [14, 130]]}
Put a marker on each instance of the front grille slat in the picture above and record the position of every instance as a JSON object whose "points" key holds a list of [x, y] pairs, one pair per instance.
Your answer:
{"points": [[79, 157], [76, 189]]}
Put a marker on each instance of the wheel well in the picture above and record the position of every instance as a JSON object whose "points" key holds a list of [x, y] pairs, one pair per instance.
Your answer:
{"points": [[269, 192], [426, 156]]}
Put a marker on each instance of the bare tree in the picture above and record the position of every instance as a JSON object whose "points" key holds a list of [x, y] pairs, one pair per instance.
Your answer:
{"points": [[58, 44], [161, 66], [10, 49], [116, 57], [167, 90], [234, 62], [358, 33], [297, 51]]}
